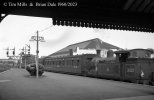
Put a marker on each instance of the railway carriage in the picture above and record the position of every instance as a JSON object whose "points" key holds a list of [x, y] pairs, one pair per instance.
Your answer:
{"points": [[72, 64], [126, 66]]}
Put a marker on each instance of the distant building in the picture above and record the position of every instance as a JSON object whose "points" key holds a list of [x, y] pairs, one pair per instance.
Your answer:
{"points": [[11, 62], [141, 53], [93, 46]]}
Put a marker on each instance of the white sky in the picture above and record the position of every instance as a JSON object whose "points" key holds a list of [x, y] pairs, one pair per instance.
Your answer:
{"points": [[16, 31]]}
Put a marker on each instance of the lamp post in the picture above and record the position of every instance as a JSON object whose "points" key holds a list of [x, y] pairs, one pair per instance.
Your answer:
{"points": [[37, 38]]}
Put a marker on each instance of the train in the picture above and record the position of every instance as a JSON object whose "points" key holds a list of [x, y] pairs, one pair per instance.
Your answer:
{"points": [[134, 65]]}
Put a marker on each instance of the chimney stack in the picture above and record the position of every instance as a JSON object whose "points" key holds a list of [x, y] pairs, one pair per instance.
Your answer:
{"points": [[98, 52]]}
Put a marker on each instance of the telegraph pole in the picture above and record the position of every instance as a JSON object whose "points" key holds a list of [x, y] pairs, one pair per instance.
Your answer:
{"points": [[37, 38]]}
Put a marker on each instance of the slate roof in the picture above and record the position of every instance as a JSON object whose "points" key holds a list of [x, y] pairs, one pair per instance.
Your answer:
{"points": [[89, 44]]}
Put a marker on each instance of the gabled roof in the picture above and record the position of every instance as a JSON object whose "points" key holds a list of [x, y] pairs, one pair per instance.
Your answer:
{"points": [[89, 44]]}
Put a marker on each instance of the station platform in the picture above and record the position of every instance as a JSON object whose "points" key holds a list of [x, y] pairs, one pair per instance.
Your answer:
{"points": [[17, 84]]}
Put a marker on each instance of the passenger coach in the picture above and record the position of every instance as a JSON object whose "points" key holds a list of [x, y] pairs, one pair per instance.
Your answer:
{"points": [[129, 65], [70, 64]]}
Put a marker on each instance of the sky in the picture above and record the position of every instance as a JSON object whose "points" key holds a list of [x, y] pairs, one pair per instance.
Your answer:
{"points": [[16, 31]]}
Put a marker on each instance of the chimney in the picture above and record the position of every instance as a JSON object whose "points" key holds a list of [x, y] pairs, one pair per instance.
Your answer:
{"points": [[98, 52], [110, 53]]}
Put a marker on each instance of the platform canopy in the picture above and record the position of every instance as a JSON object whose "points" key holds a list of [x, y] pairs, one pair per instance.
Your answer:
{"points": [[131, 15]]}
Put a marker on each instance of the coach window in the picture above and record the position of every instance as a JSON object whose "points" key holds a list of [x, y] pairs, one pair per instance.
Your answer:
{"points": [[47, 62], [51, 62], [59, 62], [78, 61], [75, 62], [72, 62], [63, 63], [55, 62], [66, 62]]}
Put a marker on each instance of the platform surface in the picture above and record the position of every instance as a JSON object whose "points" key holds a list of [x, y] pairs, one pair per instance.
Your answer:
{"points": [[17, 84]]}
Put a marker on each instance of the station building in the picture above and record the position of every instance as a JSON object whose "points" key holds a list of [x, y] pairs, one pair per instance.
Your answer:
{"points": [[93, 46]]}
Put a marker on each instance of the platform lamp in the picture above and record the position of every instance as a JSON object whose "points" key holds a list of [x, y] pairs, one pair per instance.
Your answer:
{"points": [[38, 39]]}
